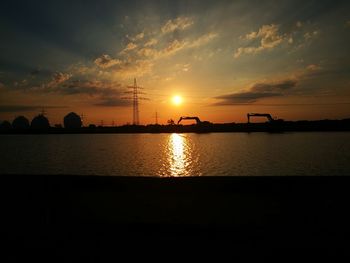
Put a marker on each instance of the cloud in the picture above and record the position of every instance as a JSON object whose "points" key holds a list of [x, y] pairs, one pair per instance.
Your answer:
{"points": [[173, 47], [103, 93], [130, 66], [274, 86], [305, 37], [42, 72], [138, 37], [180, 23], [19, 108], [91, 88], [310, 35], [313, 67], [258, 91], [176, 45], [244, 97], [105, 61], [143, 58], [31, 84], [136, 67], [58, 78], [202, 40], [151, 42], [128, 47], [35, 72], [316, 71], [147, 52], [186, 67], [113, 102], [96, 92], [269, 38]]}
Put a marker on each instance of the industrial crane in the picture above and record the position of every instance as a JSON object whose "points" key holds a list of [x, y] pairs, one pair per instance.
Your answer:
{"points": [[267, 115]]}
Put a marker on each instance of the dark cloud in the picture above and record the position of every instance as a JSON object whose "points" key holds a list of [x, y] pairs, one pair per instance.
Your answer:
{"points": [[244, 97], [19, 108], [102, 93], [42, 72], [35, 72], [108, 94], [92, 88], [256, 92], [113, 102], [276, 86]]}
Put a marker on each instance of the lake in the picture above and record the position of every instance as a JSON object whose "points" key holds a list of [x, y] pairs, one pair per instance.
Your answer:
{"points": [[189, 154]]}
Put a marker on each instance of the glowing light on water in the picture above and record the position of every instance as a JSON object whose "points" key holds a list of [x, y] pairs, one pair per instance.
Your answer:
{"points": [[177, 156], [181, 157]]}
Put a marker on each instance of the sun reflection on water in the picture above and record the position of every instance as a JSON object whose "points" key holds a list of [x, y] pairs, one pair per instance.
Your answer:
{"points": [[180, 158], [177, 157]]}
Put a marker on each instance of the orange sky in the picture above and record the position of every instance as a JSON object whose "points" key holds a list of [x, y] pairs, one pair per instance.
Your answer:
{"points": [[224, 59]]}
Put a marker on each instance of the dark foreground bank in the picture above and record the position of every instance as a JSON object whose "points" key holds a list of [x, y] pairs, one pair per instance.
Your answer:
{"points": [[87, 215]]}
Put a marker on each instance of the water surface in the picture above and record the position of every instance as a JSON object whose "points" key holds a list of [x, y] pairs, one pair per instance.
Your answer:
{"points": [[225, 154]]}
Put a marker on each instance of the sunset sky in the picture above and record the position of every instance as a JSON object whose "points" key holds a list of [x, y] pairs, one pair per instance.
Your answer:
{"points": [[222, 58]]}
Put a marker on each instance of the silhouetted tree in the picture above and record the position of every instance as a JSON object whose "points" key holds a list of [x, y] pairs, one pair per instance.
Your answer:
{"points": [[20, 122], [5, 125], [72, 121], [40, 122]]}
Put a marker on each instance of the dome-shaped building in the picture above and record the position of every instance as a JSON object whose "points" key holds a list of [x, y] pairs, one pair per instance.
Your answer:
{"points": [[40, 122], [5, 125], [20, 122], [72, 121]]}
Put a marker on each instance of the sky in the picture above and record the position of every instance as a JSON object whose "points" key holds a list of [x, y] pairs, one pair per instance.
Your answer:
{"points": [[223, 58]]}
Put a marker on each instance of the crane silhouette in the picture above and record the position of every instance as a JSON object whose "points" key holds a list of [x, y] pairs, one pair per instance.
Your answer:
{"points": [[267, 115], [198, 121]]}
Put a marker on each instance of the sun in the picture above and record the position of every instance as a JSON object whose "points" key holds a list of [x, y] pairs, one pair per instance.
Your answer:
{"points": [[177, 100]]}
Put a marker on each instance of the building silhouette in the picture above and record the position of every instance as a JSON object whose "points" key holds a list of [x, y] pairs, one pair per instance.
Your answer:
{"points": [[40, 122], [20, 122], [5, 125], [72, 121]]}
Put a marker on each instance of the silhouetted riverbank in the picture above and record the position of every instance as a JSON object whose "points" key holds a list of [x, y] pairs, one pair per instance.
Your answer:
{"points": [[75, 213], [287, 126]]}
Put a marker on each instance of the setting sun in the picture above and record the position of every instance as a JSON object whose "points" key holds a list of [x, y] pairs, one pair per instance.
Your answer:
{"points": [[177, 100]]}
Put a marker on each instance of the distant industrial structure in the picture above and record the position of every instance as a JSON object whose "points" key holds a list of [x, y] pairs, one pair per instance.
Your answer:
{"points": [[135, 116], [267, 115], [135, 102], [40, 122], [198, 121], [72, 121], [20, 122], [73, 124]]}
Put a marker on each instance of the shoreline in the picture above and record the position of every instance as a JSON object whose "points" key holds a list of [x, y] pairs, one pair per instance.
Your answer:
{"points": [[288, 126]]}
